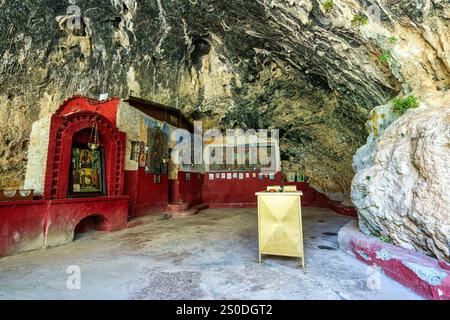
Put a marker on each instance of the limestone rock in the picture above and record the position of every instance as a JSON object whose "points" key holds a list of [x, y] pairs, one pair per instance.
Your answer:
{"points": [[402, 181], [283, 64]]}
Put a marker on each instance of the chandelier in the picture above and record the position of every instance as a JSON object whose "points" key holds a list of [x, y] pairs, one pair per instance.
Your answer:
{"points": [[93, 140]]}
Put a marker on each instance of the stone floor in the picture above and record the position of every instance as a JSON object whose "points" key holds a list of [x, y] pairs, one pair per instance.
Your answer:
{"points": [[210, 256]]}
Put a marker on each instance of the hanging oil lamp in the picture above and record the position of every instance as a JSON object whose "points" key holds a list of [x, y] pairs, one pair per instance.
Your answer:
{"points": [[93, 140]]}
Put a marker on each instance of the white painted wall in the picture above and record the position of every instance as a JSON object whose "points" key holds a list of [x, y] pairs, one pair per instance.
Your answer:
{"points": [[128, 121], [37, 156]]}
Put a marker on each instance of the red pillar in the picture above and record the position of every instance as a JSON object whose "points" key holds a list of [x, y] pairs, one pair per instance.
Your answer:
{"points": [[174, 191]]}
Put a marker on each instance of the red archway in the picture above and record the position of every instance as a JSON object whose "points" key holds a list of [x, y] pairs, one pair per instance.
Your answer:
{"points": [[75, 116]]}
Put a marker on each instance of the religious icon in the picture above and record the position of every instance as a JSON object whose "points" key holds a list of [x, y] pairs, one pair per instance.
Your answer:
{"points": [[254, 174], [157, 151], [217, 175], [157, 179], [135, 147], [301, 177], [211, 176], [247, 175], [223, 175], [292, 177], [188, 176], [241, 176], [87, 171], [142, 160], [229, 176], [235, 175]]}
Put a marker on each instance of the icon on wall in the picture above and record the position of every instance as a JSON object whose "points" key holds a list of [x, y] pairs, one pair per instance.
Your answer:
{"points": [[157, 151], [211, 176], [157, 179], [272, 176], [254, 174], [217, 175], [235, 175], [88, 172], [292, 177], [223, 175], [241, 176], [247, 175], [188, 176], [229, 176], [135, 149], [142, 160]]}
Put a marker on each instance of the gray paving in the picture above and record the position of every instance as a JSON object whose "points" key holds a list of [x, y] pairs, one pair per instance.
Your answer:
{"points": [[210, 256]]}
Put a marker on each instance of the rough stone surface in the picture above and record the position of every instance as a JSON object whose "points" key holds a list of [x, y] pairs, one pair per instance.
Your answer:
{"points": [[281, 64], [402, 181], [209, 256]]}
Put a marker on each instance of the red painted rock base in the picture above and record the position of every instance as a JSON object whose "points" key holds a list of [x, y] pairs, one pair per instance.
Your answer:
{"points": [[422, 274], [33, 225]]}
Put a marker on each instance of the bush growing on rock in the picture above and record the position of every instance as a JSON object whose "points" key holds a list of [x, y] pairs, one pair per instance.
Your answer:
{"points": [[392, 39], [403, 105], [359, 20], [385, 57], [328, 5]]}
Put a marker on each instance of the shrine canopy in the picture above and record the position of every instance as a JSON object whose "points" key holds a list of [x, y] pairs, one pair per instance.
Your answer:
{"points": [[170, 115]]}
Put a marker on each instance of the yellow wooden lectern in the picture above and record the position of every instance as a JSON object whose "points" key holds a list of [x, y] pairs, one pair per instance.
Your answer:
{"points": [[280, 224]]}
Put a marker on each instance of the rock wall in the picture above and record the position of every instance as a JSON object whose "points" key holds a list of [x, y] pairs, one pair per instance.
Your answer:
{"points": [[311, 71], [402, 181]]}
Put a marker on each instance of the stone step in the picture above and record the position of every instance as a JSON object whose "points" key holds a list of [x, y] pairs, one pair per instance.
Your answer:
{"points": [[136, 222], [178, 207], [183, 214]]}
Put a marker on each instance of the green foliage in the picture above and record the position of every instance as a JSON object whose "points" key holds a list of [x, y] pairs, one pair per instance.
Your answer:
{"points": [[328, 5], [392, 39], [386, 239], [368, 178], [403, 105], [359, 20], [385, 57]]}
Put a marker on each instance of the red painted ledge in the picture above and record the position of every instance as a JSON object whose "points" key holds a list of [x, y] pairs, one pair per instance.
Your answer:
{"points": [[342, 210], [424, 275]]}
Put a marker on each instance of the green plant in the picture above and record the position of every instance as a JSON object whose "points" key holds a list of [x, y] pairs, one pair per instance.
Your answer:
{"points": [[392, 39], [359, 20], [328, 5], [403, 105], [386, 239], [385, 57], [368, 178]]}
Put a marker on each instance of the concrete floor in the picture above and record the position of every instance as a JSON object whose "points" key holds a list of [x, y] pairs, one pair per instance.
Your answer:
{"points": [[210, 256]]}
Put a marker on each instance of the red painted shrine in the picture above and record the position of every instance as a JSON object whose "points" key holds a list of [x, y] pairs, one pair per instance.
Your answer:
{"points": [[126, 176]]}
